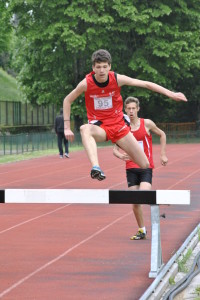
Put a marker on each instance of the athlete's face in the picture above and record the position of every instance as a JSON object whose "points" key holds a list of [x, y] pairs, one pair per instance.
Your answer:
{"points": [[132, 110], [101, 71]]}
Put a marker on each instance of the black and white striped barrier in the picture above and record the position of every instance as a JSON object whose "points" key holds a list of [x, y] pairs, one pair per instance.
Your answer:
{"points": [[103, 196], [95, 196]]}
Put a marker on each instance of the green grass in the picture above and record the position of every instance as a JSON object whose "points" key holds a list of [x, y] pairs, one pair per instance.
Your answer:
{"points": [[197, 292], [171, 280], [30, 155], [8, 87], [182, 263]]}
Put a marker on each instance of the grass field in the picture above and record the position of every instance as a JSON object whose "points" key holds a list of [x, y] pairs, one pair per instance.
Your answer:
{"points": [[8, 87], [30, 155]]}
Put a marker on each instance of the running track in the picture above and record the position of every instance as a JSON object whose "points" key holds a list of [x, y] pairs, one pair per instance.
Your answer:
{"points": [[69, 251]]}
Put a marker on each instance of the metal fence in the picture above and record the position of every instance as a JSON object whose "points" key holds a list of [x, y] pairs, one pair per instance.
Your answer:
{"points": [[180, 137], [20, 143], [29, 142], [178, 127], [17, 113]]}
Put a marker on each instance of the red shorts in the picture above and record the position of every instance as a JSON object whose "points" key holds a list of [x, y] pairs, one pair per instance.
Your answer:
{"points": [[117, 131]]}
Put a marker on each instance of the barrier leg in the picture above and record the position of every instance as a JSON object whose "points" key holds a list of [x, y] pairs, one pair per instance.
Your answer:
{"points": [[156, 251]]}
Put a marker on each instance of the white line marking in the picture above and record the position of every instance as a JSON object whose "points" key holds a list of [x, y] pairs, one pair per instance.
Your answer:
{"points": [[181, 180], [33, 219], [80, 178], [8, 290], [84, 177], [78, 244], [57, 163], [38, 217], [42, 175]]}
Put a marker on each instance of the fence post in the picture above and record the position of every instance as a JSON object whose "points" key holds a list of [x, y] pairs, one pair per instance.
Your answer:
{"points": [[10, 137], [4, 144], [17, 144]]}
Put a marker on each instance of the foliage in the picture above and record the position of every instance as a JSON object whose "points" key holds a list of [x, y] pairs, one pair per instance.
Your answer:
{"points": [[183, 261], [5, 34], [6, 29], [171, 280], [151, 40], [165, 47], [197, 292]]}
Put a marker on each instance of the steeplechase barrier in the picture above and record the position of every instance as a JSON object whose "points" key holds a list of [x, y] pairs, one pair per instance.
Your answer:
{"points": [[105, 196]]}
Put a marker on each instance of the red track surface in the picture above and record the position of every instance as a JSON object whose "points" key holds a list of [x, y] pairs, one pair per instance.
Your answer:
{"points": [[54, 251]]}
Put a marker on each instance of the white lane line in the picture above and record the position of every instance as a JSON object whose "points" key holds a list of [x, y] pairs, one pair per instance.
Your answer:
{"points": [[157, 168], [33, 219], [183, 179], [40, 216], [108, 188], [122, 182], [15, 285], [80, 243], [80, 178], [42, 175], [27, 168]]}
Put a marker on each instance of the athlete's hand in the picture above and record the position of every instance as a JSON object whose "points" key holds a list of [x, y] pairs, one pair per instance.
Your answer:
{"points": [[179, 97], [164, 160], [69, 135]]}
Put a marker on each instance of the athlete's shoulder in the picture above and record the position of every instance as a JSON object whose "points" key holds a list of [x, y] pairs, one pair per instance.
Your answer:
{"points": [[82, 86], [147, 122], [89, 75]]}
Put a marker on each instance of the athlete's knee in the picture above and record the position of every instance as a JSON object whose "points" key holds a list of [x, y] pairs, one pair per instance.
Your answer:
{"points": [[84, 129], [144, 164]]}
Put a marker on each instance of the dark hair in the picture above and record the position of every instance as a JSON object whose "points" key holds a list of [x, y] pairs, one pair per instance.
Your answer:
{"points": [[132, 99], [101, 55]]}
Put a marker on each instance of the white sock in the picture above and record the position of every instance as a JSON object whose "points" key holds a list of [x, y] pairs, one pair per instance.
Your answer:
{"points": [[144, 229]]}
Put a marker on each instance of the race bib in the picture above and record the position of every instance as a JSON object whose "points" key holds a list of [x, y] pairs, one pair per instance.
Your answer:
{"points": [[141, 145], [103, 103]]}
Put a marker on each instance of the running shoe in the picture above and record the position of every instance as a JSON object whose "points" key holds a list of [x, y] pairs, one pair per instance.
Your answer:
{"points": [[61, 156], [140, 235], [66, 155], [97, 173]]}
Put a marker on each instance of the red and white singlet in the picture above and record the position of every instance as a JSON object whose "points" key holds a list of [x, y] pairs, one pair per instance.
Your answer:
{"points": [[145, 141], [103, 103]]}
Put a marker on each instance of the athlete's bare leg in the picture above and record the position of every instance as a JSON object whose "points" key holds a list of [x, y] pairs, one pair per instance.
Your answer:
{"points": [[91, 134], [130, 145], [137, 208]]}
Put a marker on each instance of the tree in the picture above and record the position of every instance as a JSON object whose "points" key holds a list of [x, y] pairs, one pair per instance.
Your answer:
{"points": [[151, 40], [165, 48], [5, 33]]}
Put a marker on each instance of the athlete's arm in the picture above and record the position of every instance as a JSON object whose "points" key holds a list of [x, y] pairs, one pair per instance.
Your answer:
{"points": [[151, 126], [69, 99], [118, 154], [125, 80]]}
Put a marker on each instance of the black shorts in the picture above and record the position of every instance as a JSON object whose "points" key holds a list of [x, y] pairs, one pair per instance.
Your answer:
{"points": [[136, 176]]}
